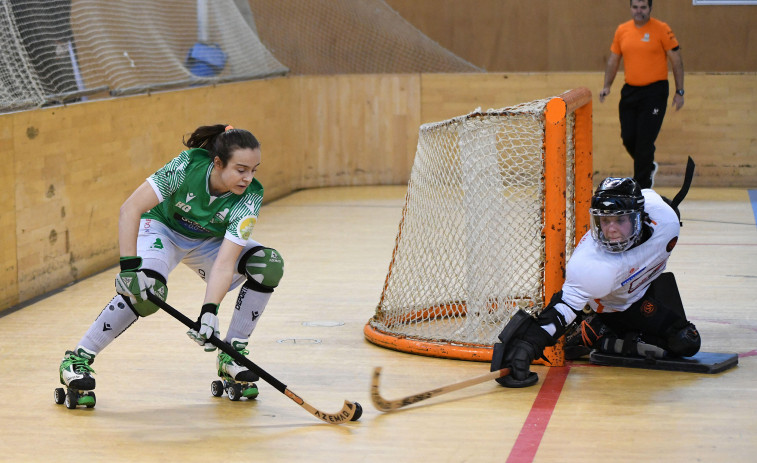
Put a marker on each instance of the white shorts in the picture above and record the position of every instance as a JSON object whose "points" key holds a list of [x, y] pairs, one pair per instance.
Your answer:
{"points": [[161, 250]]}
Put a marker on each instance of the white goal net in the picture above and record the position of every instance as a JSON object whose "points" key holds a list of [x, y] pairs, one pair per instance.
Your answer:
{"points": [[471, 247]]}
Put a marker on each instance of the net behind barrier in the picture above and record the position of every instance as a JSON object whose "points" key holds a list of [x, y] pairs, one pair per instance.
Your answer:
{"points": [[19, 85], [470, 250], [60, 51], [349, 37], [57, 51], [144, 45]]}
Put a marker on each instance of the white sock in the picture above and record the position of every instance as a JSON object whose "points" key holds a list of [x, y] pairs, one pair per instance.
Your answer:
{"points": [[112, 321], [247, 311]]}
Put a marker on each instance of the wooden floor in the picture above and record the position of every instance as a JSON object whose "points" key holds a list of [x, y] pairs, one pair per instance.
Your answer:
{"points": [[153, 383]]}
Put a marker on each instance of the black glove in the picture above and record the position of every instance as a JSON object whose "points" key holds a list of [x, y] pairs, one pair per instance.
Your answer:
{"points": [[523, 341]]}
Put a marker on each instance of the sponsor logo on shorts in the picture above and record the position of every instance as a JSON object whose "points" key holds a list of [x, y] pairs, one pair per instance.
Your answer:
{"points": [[648, 309]]}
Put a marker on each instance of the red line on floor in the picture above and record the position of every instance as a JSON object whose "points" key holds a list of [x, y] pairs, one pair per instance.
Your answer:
{"points": [[536, 423]]}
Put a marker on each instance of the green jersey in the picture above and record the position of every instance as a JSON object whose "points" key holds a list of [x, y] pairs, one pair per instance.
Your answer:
{"points": [[187, 207]]}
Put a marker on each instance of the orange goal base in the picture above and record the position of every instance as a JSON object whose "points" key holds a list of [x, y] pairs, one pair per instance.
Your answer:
{"points": [[476, 353]]}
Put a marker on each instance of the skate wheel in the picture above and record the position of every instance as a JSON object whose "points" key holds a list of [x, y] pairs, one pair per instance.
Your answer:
{"points": [[71, 400], [234, 391], [60, 395], [88, 399], [250, 391], [216, 388]]}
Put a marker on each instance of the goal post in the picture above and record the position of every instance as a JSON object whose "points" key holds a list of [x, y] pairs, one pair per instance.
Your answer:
{"points": [[495, 204]]}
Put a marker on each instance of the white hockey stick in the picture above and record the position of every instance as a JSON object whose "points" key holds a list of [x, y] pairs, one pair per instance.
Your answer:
{"points": [[351, 411], [388, 405]]}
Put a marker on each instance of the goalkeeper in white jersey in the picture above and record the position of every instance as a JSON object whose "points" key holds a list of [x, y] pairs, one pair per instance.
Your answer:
{"points": [[616, 276], [199, 209]]}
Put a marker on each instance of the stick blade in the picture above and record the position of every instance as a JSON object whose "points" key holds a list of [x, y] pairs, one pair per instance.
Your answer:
{"points": [[385, 405], [349, 411], [379, 402]]}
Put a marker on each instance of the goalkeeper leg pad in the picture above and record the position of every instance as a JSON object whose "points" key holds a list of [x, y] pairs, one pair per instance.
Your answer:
{"points": [[263, 267], [701, 362]]}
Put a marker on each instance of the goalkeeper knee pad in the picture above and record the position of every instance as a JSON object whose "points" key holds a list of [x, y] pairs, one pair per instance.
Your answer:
{"points": [[263, 268], [684, 341]]}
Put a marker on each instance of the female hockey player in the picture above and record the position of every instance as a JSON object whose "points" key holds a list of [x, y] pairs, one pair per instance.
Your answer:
{"points": [[617, 272], [199, 209]]}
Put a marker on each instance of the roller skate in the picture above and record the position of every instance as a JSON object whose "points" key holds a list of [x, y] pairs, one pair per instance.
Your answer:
{"points": [[583, 336], [76, 374], [236, 380]]}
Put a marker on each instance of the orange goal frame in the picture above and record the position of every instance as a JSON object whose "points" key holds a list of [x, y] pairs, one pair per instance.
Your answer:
{"points": [[579, 102]]}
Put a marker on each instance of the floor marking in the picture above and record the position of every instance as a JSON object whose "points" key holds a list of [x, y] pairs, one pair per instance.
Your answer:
{"points": [[299, 341], [527, 443], [326, 323]]}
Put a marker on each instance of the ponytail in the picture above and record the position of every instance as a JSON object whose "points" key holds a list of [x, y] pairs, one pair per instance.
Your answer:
{"points": [[220, 140]]}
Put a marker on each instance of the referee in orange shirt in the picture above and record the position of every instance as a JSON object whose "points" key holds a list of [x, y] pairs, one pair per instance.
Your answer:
{"points": [[646, 44]]}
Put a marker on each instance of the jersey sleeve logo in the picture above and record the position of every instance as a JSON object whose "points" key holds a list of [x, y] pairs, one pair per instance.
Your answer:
{"points": [[245, 227]]}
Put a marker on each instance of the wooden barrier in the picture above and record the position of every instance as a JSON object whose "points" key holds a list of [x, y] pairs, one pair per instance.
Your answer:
{"points": [[555, 36], [69, 168]]}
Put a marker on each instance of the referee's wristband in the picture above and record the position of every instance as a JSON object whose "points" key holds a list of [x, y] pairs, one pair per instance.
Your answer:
{"points": [[680, 92]]}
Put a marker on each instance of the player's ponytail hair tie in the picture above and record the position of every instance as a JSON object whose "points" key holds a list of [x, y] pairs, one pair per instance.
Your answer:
{"points": [[228, 127]]}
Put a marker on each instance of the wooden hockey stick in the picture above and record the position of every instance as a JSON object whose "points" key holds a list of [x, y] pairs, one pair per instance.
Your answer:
{"points": [[388, 405], [351, 411]]}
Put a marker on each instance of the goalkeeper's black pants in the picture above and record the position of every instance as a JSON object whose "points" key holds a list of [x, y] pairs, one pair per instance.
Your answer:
{"points": [[654, 317]]}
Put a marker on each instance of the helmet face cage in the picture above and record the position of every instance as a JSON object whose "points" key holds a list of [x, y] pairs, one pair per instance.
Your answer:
{"points": [[615, 245], [620, 198]]}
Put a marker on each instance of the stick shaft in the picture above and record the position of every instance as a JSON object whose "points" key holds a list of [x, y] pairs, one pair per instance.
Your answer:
{"points": [[343, 416], [387, 405]]}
